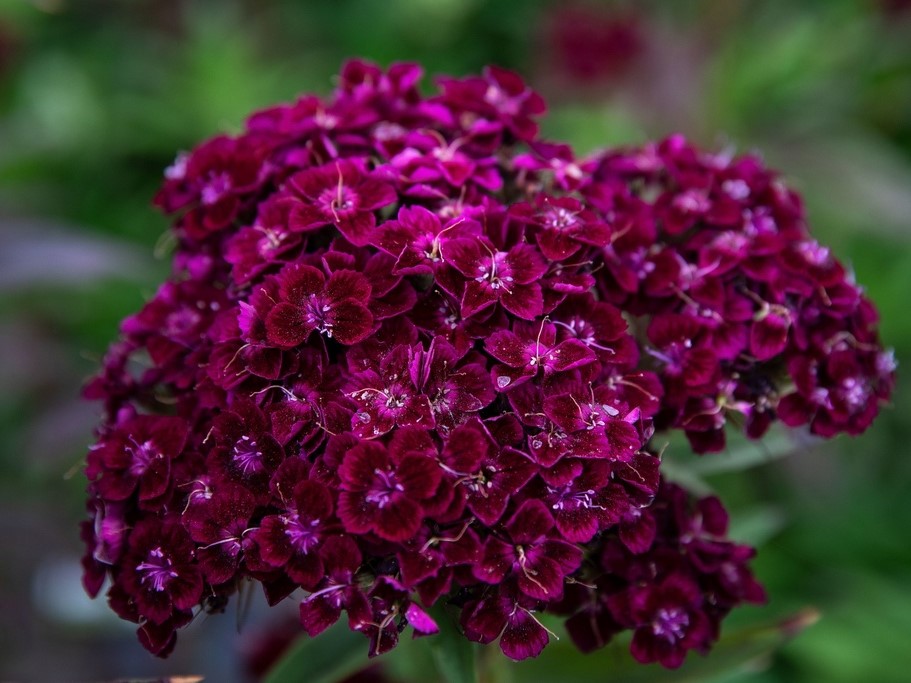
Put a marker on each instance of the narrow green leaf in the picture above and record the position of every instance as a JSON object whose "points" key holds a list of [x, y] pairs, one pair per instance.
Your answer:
{"points": [[737, 651], [757, 525], [335, 654], [747, 455], [454, 655]]}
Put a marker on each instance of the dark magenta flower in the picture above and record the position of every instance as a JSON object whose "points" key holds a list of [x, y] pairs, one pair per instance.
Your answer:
{"points": [[384, 491], [388, 396], [412, 354], [309, 302], [340, 193], [528, 555], [491, 276], [159, 574], [520, 633], [291, 540], [220, 524], [668, 621], [137, 456], [532, 349]]}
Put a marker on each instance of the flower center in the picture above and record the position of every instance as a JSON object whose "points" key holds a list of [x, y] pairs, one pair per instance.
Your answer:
{"points": [[384, 488], [814, 253], [569, 500], [302, 536], [854, 393], [497, 273], [142, 456], [670, 624], [559, 219], [217, 186], [247, 456], [340, 202], [157, 570], [317, 311]]}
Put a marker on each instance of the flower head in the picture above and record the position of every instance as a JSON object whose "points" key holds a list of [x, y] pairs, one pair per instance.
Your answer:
{"points": [[410, 353]]}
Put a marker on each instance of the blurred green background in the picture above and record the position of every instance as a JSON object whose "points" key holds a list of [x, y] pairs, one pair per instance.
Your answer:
{"points": [[96, 97]]}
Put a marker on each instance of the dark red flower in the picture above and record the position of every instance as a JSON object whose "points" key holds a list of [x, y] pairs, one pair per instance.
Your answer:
{"points": [[412, 354], [383, 491], [137, 455], [340, 193], [308, 301]]}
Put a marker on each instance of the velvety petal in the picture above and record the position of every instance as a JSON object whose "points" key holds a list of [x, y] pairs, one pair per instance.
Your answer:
{"points": [[623, 439], [541, 579], [422, 623], [639, 534], [477, 297], [530, 522], [347, 284], [557, 245], [358, 229], [524, 301], [465, 450], [318, 613], [465, 255], [507, 348], [523, 637], [351, 322], [397, 521], [360, 464], [416, 412], [769, 336], [496, 561], [568, 355], [297, 282], [286, 326], [418, 475], [305, 570], [374, 194], [526, 263]]}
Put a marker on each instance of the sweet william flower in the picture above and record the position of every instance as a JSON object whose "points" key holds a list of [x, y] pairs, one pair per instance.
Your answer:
{"points": [[383, 491], [339, 193], [508, 277], [411, 354], [137, 456], [334, 307]]}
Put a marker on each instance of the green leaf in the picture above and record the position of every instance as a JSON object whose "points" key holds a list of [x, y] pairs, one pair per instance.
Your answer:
{"points": [[737, 651], [455, 656], [335, 654], [747, 455]]}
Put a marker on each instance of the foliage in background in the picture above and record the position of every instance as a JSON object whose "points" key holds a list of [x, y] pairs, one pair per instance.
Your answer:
{"points": [[95, 96]]}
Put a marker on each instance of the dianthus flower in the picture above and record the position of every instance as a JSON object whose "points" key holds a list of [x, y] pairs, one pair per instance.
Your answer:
{"points": [[412, 354]]}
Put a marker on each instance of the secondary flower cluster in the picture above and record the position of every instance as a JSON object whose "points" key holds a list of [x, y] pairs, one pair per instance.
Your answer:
{"points": [[411, 354]]}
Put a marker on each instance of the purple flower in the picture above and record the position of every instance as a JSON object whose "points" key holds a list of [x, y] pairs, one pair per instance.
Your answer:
{"points": [[337, 590], [417, 239], [411, 354], [292, 540], [530, 349], [528, 555], [383, 491], [668, 621], [335, 307], [388, 396], [520, 634], [137, 456], [220, 524], [159, 574], [491, 276], [340, 194]]}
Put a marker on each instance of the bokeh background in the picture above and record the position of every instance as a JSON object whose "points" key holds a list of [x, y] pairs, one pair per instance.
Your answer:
{"points": [[96, 97]]}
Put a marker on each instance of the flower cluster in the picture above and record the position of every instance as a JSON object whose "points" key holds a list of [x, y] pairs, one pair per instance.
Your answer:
{"points": [[411, 354]]}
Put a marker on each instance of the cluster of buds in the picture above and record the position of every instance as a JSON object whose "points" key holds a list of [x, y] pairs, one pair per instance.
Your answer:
{"points": [[411, 354]]}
